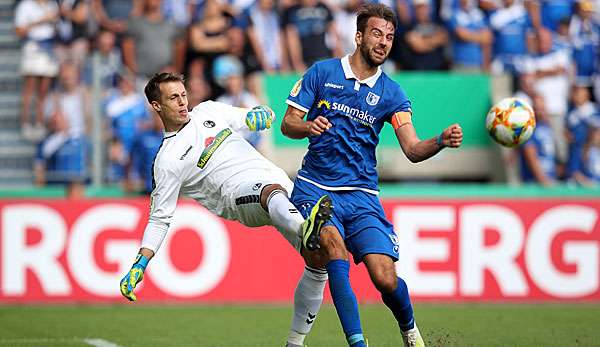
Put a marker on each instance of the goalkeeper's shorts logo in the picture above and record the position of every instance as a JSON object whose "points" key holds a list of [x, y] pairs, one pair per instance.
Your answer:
{"points": [[210, 149]]}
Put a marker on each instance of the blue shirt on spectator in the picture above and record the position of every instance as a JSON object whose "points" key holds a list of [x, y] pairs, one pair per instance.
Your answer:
{"points": [[591, 166], [585, 39], [552, 11], [145, 148], [543, 141], [67, 161], [126, 114], [578, 122], [464, 52]]}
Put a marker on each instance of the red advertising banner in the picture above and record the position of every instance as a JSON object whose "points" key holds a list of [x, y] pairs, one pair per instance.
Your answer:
{"points": [[493, 249]]}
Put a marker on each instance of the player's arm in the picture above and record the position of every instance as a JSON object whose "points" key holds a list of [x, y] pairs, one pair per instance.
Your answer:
{"points": [[257, 118], [162, 207], [295, 127], [417, 150]]}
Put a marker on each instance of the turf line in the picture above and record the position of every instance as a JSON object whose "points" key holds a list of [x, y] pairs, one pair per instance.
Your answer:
{"points": [[100, 343]]}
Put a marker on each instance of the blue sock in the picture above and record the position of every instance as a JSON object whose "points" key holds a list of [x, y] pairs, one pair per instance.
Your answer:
{"points": [[345, 301], [399, 303]]}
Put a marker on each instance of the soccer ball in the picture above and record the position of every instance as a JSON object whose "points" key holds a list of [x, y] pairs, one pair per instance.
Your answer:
{"points": [[510, 122]]}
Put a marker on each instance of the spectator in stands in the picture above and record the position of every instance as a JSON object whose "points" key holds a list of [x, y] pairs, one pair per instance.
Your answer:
{"points": [[590, 174], [552, 68], [72, 99], [74, 30], [229, 73], [471, 38], [113, 15], [179, 12], [584, 34], [34, 24], [198, 90], [145, 147], [262, 24], [345, 23], [426, 40], [63, 155], [547, 14], [127, 112], [62, 159], [151, 43], [108, 59], [538, 160], [510, 24], [208, 38], [579, 120], [306, 26]]}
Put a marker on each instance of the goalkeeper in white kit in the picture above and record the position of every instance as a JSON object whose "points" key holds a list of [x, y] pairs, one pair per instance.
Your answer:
{"points": [[204, 157]]}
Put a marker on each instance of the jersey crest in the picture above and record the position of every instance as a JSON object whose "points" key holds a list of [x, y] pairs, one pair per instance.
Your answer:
{"points": [[372, 99]]}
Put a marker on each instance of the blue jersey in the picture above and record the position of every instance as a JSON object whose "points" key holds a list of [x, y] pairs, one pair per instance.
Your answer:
{"points": [[145, 148], [343, 157], [591, 166], [543, 141], [465, 52], [578, 122], [510, 26], [585, 39], [553, 11]]}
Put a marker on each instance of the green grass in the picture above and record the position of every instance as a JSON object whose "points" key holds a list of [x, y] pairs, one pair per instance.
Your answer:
{"points": [[177, 325]]}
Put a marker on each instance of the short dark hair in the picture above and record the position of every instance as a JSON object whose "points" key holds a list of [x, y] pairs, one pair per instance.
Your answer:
{"points": [[369, 10], [152, 88]]}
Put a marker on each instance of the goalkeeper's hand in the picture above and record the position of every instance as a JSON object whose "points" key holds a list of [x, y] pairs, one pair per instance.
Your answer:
{"points": [[133, 277], [260, 118]]}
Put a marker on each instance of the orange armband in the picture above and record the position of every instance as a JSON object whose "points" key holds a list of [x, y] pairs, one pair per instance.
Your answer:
{"points": [[401, 118]]}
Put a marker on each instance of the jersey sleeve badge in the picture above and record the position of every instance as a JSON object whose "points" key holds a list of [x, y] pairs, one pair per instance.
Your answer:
{"points": [[296, 88]]}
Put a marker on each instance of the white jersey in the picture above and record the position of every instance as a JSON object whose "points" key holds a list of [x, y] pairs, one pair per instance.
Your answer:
{"points": [[205, 160]]}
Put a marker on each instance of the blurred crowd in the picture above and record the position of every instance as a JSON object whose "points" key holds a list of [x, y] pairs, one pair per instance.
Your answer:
{"points": [[549, 48]]}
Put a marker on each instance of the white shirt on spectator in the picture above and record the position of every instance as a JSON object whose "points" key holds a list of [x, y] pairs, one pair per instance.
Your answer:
{"points": [[30, 11], [555, 88]]}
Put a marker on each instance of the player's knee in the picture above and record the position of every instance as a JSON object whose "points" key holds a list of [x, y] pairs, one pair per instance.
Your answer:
{"points": [[333, 244], [315, 259], [266, 192], [385, 282], [382, 272]]}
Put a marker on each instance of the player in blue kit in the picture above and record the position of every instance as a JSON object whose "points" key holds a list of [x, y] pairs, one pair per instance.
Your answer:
{"points": [[347, 102]]}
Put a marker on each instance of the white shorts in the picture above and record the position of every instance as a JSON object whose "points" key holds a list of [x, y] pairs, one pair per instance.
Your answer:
{"points": [[36, 61], [244, 192]]}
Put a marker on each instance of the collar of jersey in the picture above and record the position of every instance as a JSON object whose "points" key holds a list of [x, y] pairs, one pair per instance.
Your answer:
{"points": [[169, 134], [370, 81]]}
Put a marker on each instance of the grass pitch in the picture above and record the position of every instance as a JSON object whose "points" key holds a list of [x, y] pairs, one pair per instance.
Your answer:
{"points": [[236, 325]]}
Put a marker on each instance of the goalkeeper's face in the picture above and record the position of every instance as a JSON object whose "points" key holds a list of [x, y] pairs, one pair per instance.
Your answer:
{"points": [[173, 105], [375, 43]]}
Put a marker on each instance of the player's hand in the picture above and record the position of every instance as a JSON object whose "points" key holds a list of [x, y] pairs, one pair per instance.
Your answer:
{"points": [[452, 136], [133, 277], [318, 126], [260, 118]]}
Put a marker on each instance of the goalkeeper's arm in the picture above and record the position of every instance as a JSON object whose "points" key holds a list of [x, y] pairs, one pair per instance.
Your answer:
{"points": [[153, 236]]}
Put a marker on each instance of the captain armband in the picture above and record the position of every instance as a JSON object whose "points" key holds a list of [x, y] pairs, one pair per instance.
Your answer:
{"points": [[401, 118]]}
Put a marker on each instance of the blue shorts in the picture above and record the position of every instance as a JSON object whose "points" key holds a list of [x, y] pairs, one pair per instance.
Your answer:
{"points": [[357, 215]]}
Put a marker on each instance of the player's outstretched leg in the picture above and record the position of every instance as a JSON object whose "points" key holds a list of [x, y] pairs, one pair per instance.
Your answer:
{"points": [[311, 228]]}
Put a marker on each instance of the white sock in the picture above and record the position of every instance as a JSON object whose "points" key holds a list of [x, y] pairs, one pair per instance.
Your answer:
{"points": [[285, 217], [307, 302]]}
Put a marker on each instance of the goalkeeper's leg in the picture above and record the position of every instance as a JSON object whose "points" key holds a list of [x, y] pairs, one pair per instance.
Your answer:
{"points": [[284, 215]]}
